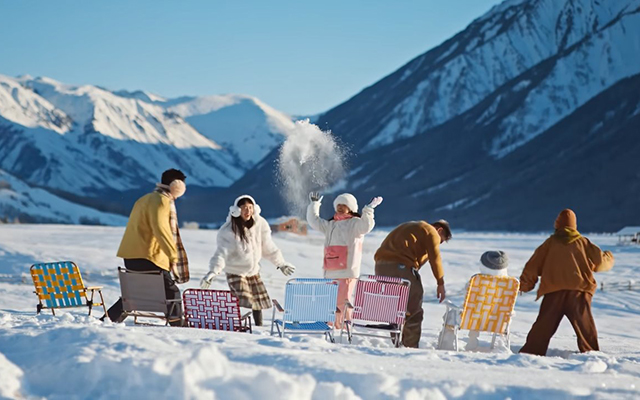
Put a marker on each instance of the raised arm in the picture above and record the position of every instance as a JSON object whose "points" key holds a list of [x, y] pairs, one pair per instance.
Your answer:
{"points": [[313, 217]]}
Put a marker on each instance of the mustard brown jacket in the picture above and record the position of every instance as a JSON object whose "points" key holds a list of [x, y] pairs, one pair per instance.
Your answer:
{"points": [[565, 261], [412, 244], [148, 234]]}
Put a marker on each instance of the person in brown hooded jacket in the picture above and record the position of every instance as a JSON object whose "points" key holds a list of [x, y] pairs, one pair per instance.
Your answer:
{"points": [[565, 263]]}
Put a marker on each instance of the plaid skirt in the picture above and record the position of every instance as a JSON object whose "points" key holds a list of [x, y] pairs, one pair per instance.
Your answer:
{"points": [[250, 291]]}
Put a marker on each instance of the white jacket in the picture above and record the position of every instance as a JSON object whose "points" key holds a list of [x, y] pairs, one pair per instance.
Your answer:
{"points": [[349, 233], [238, 258]]}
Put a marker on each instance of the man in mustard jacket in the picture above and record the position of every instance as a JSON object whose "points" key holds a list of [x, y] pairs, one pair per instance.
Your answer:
{"points": [[565, 264], [151, 240], [402, 253]]}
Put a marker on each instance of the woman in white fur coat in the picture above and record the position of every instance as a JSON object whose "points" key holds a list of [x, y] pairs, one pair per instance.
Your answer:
{"points": [[242, 242], [344, 235]]}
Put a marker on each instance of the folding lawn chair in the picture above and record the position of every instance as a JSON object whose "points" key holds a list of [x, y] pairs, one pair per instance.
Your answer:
{"points": [[214, 309], [488, 307], [309, 307], [143, 295], [60, 285], [380, 305]]}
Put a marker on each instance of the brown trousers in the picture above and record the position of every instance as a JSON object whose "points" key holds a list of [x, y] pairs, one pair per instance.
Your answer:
{"points": [[573, 304], [413, 323]]}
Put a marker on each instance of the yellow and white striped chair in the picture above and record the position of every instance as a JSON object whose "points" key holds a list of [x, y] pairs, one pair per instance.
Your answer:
{"points": [[488, 307]]}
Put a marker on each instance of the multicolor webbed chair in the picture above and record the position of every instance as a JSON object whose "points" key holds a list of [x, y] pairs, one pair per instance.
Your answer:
{"points": [[60, 285]]}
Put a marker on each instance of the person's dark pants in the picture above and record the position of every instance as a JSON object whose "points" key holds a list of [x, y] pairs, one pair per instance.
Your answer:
{"points": [[413, 323], [116, 312], [573, 304]]}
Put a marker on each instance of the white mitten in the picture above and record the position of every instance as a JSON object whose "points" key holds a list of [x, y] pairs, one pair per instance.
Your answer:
{"points": [[287, 269], [375, 202], [205, 283], [315, 196]]}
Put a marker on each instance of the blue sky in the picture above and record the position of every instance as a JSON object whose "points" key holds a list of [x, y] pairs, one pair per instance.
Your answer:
{"points": [[301, 57]]}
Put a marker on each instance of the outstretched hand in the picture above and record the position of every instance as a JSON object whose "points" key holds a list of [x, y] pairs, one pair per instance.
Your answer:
{"points": [[205, 283], [375, 202], [287, 269], [315, 196]]}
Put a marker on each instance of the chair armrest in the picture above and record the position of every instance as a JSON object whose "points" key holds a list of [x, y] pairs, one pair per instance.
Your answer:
{"points": [[94, 288], [277, 305], [246, 315], [174, 301], [348, 304]]}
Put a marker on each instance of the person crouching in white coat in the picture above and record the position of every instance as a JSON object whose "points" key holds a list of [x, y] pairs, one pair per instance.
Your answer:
{"points": [[242, 242], [344, 235]]}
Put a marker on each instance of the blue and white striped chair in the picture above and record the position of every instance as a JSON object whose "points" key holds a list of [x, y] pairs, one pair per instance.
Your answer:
{"points": [[309, 307]]}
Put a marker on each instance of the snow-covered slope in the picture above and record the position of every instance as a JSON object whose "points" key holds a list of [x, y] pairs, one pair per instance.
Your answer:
{"points": [[597, 41], [29, 204], [75, 356]]}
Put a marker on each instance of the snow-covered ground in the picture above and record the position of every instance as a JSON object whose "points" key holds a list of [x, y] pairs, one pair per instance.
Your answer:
{"points": [[75, 356]]}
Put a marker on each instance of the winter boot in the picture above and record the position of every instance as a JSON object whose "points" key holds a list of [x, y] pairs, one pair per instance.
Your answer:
{"points": [[257, 317]]}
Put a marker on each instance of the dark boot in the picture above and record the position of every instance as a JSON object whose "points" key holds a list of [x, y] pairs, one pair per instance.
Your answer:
{"points": [[257, 317]]}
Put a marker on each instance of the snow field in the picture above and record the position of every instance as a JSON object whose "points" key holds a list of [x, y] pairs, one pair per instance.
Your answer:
{"points": [[75, 356]]}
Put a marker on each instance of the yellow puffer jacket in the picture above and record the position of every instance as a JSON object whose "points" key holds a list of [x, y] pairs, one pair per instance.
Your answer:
{"points": [[148, 234]]}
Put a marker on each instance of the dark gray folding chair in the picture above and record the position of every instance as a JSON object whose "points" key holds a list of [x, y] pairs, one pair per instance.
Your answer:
{"points": [[143, 295]]}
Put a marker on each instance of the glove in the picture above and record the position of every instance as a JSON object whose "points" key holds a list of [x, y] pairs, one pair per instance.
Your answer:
{"points": [[205, 283], [287, 269], [375, 202], [315, 196]]}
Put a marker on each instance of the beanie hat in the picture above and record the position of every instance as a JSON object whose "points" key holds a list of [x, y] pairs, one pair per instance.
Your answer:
{"points": [[495, 260], [348, 200], [566, 219]]}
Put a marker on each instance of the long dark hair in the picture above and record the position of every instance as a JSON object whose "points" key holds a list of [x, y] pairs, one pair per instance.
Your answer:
{"points": [[239, 225]]}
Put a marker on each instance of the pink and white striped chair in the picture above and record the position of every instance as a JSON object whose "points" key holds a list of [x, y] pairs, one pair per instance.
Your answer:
{"points": [[380, 305], [214, 309]]}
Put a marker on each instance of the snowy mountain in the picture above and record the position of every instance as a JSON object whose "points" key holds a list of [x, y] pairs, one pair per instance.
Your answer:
{"points": [[31, 204], [502, 125], [244, 125], [87, 143]]}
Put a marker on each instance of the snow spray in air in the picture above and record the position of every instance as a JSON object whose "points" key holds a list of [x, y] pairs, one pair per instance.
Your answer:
{"points": [[310, 159]]}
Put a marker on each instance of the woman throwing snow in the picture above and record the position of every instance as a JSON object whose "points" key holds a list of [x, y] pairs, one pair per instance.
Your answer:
{"points": [[344, 235], [242, 242]]}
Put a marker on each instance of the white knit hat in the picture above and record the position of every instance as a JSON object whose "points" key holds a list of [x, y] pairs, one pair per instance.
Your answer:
{"points": [[348, 200]]}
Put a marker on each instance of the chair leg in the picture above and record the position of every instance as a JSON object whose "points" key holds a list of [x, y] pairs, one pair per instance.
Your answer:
{"points": [[455, 333], [102, 301], [273, 319], [90, 302], [493, 341], [53, 311]]}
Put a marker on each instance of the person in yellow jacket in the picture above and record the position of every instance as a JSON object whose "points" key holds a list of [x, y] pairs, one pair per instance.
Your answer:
{"points": [[402, 253], [151, 240], [565, 264]]}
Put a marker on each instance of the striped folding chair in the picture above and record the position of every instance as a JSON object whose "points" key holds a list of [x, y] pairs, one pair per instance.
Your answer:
{"points": [[380, 305], [60, 285], [488, 307], [309, 307], [214, 309]]}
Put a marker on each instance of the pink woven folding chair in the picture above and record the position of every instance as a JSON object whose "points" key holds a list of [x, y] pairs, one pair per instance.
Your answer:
{"points": [[380, 304], [214, 309]]}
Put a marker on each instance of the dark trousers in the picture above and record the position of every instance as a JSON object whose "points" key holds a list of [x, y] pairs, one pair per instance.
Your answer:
{"points": [[116, 312], [573, 304], [413, 323]]}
